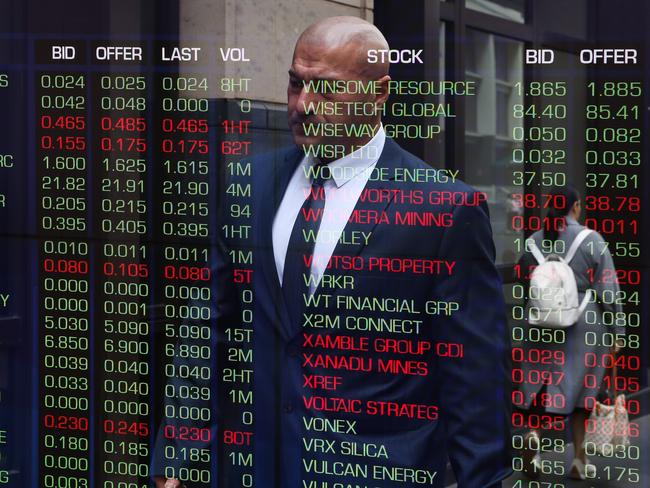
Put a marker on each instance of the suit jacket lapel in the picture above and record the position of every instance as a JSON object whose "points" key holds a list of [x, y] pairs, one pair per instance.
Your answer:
{"points": [[271, 197], [368, 201]]}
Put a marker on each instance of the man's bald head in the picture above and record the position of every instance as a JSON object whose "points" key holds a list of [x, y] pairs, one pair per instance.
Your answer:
{"points": [[352, 37], [335, 51]]}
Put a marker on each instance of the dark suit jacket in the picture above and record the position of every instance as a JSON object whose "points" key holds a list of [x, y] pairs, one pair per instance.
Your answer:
{"points": [[372, 358]]}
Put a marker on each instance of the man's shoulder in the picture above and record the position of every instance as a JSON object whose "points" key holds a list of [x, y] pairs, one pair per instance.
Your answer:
{"points": [[270, 164]]}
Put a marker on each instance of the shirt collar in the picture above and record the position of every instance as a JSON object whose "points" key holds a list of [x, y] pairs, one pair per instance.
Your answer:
{"points": [[352, 165]]}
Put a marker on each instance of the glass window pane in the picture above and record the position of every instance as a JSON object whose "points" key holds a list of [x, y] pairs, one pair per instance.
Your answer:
{"points": [[503, 110], [437, 152], [502, 57], [506, 9], [573, 146], [496, 68], [572, 22]]}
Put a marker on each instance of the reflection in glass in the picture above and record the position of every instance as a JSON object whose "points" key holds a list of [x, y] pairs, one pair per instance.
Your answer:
{"points": [[495, 65], [506, 9], [439, 142], [569, 110]]}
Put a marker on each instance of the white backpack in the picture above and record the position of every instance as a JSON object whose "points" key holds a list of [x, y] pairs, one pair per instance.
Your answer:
{"points": [[553, 292]]}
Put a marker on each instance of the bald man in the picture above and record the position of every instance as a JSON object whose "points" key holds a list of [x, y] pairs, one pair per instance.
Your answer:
{"points": [[378, 327]]}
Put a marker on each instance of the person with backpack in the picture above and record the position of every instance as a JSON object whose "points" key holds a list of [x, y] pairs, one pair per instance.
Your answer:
{"points": [[565, 271]]}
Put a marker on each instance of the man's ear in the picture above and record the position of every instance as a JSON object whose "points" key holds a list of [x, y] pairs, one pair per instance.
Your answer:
{"points": [[382, 97]]}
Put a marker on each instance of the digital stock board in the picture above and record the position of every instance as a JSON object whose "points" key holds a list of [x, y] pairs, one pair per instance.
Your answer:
{"points": [[324, 243]]}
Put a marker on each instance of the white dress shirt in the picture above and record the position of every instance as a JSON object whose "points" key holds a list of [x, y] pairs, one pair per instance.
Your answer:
{"points": [[349, 177]]}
